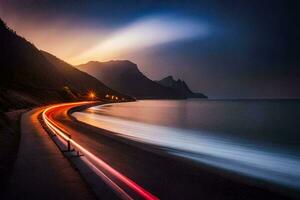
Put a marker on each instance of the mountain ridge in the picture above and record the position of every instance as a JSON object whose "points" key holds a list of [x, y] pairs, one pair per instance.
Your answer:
{"points": [[28, 78], [124, 76], [180, 86], [80, 79]]}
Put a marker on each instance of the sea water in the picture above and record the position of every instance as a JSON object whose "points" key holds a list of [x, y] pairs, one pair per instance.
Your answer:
{"points": [[257, 138]]}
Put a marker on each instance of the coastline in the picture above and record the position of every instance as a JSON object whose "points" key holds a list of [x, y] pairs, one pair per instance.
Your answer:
{"points": [[157, 150]]}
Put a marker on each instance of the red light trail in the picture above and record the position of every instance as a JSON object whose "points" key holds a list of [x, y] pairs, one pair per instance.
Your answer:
{"points": [[94, 162]]}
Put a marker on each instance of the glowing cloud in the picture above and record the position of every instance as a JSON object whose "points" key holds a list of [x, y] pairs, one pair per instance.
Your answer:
{"points": [[145, 32]]}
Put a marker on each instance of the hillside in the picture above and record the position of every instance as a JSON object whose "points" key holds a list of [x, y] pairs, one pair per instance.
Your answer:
{"points": [[79, 80], [124, 76], [180, 86], [27, 78]]}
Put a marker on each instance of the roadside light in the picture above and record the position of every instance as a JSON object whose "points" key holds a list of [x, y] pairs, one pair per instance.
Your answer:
{"points": [[107, 96], [117, 98], [92, 95]]}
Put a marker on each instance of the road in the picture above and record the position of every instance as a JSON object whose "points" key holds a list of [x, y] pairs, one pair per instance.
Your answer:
{"points": [[143, 172], [40, 170]]}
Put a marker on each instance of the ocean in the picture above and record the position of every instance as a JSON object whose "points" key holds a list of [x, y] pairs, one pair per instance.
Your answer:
{"points": [[257, 138]]}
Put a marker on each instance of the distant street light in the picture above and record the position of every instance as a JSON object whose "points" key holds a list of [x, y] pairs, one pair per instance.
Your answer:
{"points": [[92, 95]]}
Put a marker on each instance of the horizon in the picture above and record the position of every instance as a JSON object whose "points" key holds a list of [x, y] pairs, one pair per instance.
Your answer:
{"points": [[213, 52]]}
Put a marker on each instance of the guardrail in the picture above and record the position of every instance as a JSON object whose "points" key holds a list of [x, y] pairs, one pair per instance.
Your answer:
{"points": [[123, 186]]}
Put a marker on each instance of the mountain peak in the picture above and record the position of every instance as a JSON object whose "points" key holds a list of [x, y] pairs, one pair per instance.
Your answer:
{"points": [[169, 78], [180, 86], [168, 81], [124, 64], [2, 22], [122, 61]]}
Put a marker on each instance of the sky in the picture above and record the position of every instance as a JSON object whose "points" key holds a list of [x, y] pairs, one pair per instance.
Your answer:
{"points": [[225, 49]]}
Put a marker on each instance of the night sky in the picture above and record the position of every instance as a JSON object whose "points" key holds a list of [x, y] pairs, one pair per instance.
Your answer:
{"points": [[225, 49]]}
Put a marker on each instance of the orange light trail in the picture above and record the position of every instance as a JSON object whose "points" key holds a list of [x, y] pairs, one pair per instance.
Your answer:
{"points": [[93, 161]]}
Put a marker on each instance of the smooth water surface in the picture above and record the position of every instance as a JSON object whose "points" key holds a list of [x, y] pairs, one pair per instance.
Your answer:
{"points": [[258, 138]]}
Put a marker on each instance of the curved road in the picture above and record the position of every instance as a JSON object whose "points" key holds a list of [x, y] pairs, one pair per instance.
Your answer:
{"points": [[150, 172]]}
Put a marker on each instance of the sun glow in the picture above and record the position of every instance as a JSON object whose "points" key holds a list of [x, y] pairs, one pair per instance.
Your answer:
{"points": [[145, 32], [80, 43]]}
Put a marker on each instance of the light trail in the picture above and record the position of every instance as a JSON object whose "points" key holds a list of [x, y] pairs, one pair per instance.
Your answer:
{"points": [[94, 162], [248, 159]]}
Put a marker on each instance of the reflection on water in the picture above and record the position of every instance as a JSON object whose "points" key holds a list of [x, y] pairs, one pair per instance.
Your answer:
{"points": [[256, 138]]}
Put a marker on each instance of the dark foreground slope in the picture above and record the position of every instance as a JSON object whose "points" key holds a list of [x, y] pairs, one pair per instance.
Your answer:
{"points": [[79, 80], [124, 76], [180, 86], [27, 78]]}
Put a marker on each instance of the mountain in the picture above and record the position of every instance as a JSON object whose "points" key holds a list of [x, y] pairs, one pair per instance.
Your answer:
{"points": [[28, 78], [78, 80], [124, 76], [180, 86]]}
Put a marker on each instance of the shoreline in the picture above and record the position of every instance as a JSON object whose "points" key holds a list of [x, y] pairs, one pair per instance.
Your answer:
{"points": [[157, 150]]}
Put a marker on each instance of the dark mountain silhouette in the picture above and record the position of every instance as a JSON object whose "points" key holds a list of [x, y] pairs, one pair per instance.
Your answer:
{"points": [[124, 76], [79, 81], [27, 78], [180, 86]]}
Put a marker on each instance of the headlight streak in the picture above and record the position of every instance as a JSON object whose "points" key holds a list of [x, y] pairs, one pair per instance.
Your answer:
{"points": [[93, 161]]}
